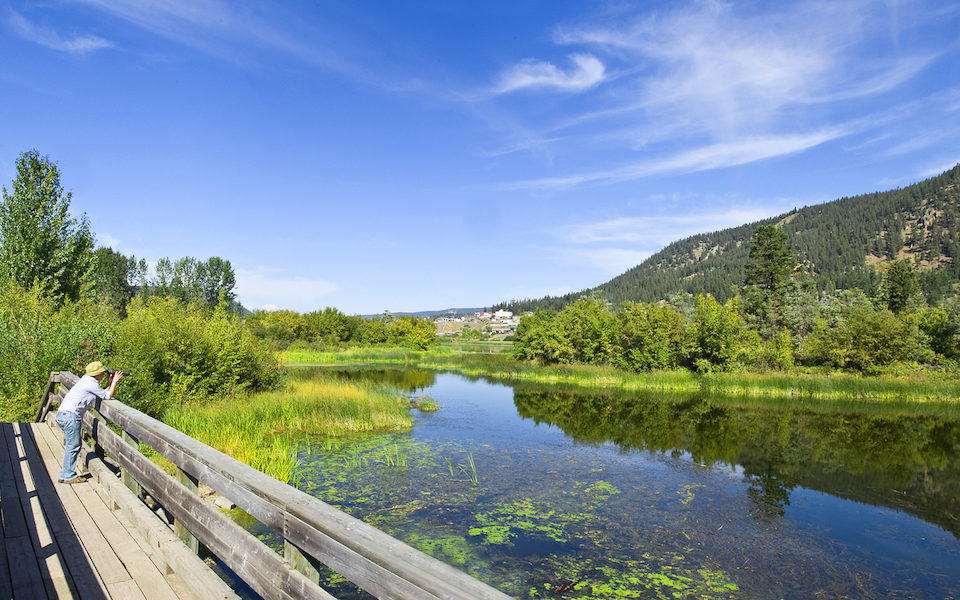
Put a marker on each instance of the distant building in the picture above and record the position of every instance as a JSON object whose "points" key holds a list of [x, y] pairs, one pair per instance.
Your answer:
{"points": [[484, 315], [503, 314]]}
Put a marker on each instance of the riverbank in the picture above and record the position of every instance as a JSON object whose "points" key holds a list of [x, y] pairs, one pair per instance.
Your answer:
{"points": [[264, 429], [924, 387]]}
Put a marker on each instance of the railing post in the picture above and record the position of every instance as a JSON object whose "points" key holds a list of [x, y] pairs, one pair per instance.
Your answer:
{"points": [[127, 478], [304, 563], [191, 483], [45, 400]]}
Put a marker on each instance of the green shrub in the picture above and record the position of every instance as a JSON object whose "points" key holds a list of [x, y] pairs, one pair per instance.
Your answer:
{"points": [[863, 339], [718, 334], [180, 352], [37, 337], [651, 336]]}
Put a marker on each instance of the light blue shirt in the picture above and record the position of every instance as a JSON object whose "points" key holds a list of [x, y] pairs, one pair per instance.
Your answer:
{"points": [[82, 395]]}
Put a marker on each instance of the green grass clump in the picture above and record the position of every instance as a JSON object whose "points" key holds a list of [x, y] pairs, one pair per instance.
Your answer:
{"points": [[263, 430]]}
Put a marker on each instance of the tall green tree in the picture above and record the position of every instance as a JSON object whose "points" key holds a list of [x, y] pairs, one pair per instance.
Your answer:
{"points": [[767, 277], [772, 263], [900, 287], [187, 279], [40, 243], [117, 277]]}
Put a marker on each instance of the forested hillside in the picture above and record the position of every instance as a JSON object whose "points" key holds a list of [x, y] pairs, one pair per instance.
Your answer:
{"points": [[842, 244]]}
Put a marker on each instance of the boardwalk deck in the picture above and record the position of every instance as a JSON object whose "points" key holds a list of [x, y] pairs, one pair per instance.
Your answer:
{"points": [[65, 541]]}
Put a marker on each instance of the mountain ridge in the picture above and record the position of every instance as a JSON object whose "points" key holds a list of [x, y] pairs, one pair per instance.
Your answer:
{"points": [[842, 244]]}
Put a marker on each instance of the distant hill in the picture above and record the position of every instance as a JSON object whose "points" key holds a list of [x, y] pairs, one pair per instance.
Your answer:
{"points": [[843, 244], [429, 314]]}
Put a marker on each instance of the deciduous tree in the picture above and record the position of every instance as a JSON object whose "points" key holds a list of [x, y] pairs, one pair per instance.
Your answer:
{"points": [[40, 243]]}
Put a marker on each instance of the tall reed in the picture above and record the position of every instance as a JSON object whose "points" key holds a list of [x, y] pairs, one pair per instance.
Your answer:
{"points": [[264, 430]]}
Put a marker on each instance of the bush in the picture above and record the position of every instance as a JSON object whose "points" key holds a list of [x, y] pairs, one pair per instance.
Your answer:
{"points": [[650, 337], [539, 337], [182, 352], [717, 335], [863, 339], [37, 338]]}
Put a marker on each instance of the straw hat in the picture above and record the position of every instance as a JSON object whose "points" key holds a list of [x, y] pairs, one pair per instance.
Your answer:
{"points": [[95, 368]]}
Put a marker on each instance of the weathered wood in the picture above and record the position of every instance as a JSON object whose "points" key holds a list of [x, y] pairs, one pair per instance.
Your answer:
{"points": [[313, 530], [45, 399], [190, 482], [129, 481], [301, 562], [42, 457], [259, 566], [153, 537], [6, 586], [26, 579], [370, 558]]}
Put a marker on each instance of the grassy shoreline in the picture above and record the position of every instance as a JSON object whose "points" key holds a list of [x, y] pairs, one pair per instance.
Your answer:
{"points": [[265, 429], [917, 387]]}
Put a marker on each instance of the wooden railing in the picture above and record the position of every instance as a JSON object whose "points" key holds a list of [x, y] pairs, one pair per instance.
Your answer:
{"points": [[314, 532]]}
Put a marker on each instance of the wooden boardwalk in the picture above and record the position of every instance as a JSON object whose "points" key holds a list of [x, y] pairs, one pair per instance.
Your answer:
{"points": [[66, 541]]}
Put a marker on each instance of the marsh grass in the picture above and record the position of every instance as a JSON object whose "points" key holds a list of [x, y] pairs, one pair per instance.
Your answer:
{"points": [[265, 430], [926, 388]]}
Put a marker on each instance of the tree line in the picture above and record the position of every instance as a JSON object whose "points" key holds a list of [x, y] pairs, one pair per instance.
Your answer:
{"points": [[178, 326], [64, 303], [778, 319]]}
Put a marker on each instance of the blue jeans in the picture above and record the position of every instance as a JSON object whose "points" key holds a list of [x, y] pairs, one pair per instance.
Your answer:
{"points": [[71, 426]]}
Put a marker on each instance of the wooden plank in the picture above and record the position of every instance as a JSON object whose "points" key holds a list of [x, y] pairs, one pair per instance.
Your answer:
{"points": [[6, 585], [274, 503], [259, 566], [82, 571], [34, 477], [139, 566], [91, 561], [187, 574], [11, 513], [26, 576], [128, 590]]}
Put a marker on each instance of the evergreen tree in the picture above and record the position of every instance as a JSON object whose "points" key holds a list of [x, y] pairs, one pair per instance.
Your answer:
{"points": [[772, 262], [900, 286]]}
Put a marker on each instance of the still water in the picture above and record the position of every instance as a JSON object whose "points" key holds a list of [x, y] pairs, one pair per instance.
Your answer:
{"points": [[530, 487]]}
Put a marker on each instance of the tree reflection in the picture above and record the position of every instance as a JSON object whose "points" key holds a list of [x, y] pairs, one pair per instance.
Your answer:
{"points": [[910, 463]]}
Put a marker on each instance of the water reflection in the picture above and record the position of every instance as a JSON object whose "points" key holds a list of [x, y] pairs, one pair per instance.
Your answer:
{"points": [[909, 463], [527, 487]]}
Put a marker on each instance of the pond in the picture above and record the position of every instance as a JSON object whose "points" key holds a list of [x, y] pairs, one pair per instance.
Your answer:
{"points": [[639, 495]]}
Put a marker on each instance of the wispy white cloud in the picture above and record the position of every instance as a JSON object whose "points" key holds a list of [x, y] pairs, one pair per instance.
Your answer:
{"points": [[709, 84], [45, 36], [222, 29], [586, 72], [939, 168], [714, 156], [613, 246], [655, 231]]}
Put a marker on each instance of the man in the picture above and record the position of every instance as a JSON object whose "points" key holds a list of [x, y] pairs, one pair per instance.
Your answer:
{"points": [[70, 415]]}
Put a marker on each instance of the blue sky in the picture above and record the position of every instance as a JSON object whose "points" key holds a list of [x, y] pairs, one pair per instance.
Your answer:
{"points": [[425, 155]]}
